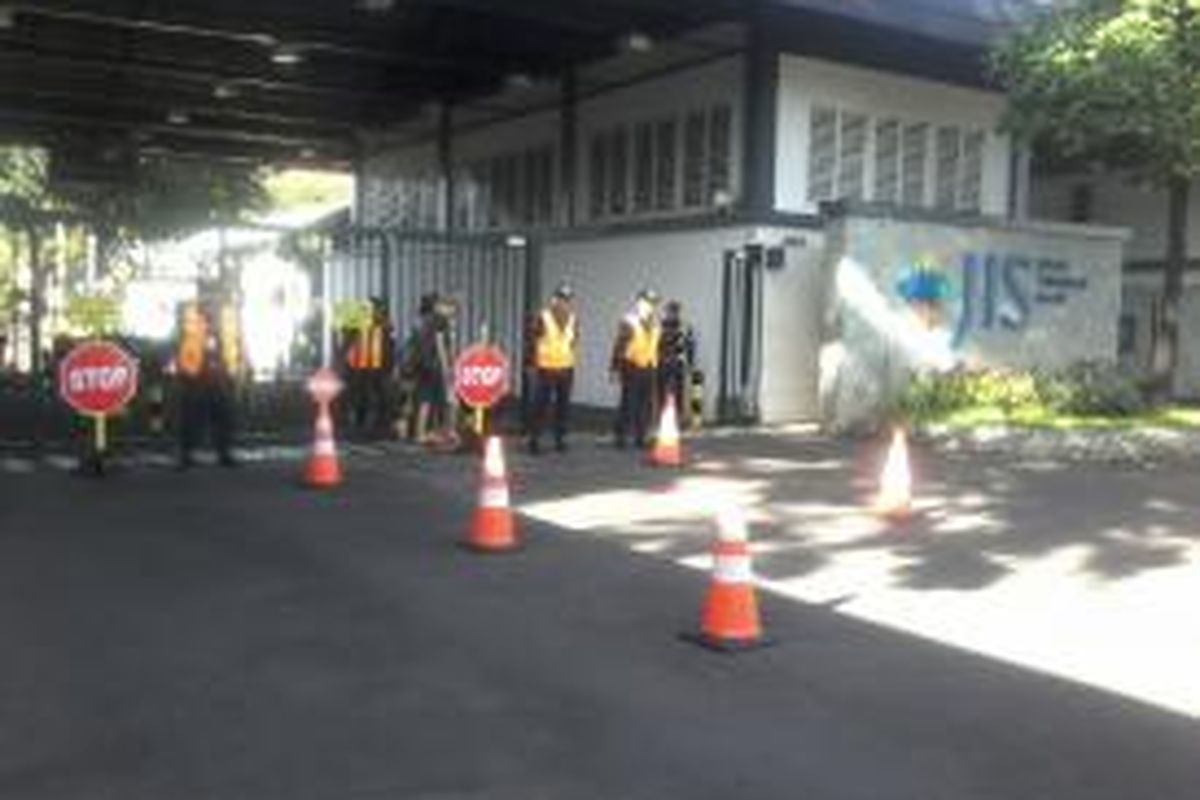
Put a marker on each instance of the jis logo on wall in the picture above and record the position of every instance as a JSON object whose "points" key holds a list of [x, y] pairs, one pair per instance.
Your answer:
{"points": [[987, 291]]}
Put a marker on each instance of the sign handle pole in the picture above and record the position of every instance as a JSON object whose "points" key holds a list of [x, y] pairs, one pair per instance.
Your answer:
{"points": [[479, 421], [101, 430]]}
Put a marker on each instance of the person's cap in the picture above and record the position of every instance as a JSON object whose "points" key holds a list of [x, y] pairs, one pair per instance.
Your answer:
{"points": [[564, 291], [649, 295]]}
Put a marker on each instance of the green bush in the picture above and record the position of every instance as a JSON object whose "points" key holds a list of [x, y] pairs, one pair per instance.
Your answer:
{"points": [[1086, 389]]}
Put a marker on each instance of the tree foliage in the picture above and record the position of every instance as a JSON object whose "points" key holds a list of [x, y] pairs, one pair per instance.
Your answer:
{"points": [[1117, 83], [1110, 81]]}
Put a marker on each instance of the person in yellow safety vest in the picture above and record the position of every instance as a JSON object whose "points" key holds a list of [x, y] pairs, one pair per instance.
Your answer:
{"points": [[208, 361], [635, 365], [369, 357], [554, 339]]}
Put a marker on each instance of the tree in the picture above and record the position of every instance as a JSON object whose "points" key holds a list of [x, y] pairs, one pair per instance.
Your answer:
{"points": [[1117, 83], [162, 199]]}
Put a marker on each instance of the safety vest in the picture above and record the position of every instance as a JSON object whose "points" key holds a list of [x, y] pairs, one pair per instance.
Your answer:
{"points": [[556, 345], [642, 350], [367, 350], [194, 338], [196, 341]]}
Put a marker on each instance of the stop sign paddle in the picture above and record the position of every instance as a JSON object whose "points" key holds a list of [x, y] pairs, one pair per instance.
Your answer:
{"points": [[97, 379], [481, 375], [481, 379]]}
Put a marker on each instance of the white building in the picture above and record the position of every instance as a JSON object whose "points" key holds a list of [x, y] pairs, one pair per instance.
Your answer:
{"points": [[705, 166]]}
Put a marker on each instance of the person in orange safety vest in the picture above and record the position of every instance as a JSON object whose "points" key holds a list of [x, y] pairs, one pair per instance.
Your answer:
{"points": [[208, 361], [368, 359]]}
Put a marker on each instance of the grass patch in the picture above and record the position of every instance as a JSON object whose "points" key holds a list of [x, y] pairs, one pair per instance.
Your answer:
{"points": [[1041, 417]]}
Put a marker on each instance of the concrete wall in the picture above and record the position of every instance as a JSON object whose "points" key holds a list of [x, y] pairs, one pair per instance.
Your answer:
{"points": [[1031, 295], [687, 265], [1116, 201], [805, 82]]}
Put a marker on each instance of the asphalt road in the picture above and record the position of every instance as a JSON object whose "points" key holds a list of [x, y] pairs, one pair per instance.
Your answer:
{"points": [[228, 636]]}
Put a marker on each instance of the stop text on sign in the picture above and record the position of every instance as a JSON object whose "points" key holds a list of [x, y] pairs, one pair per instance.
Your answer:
{"points": [[97, 379], [481, 376]]}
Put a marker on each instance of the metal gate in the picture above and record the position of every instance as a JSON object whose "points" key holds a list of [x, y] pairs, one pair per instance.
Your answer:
{"points": [[741, 336], [488, 276]]}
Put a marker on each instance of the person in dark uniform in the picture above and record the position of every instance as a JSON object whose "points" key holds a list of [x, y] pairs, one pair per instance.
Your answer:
{"points": [[368, 360], [208, 363], [676, 355], [635, 364], [431, 368], [551, 353]]}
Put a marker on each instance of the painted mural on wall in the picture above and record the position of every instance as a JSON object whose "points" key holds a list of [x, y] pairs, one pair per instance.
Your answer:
{"points": [[984, 291]]}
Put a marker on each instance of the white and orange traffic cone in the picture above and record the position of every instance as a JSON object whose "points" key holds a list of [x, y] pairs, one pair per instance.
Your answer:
{"points": [[894, 501], [667, 450], [730, 619], [493, 527], [324, 471]]}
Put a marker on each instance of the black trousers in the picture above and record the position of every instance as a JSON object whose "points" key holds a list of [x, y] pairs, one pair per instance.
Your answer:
{"points": [[206, 404], [637, 404], [672, 383], [553, 390], [367, 392]]}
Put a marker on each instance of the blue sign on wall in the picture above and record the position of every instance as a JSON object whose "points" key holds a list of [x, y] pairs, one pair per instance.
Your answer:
{"points": [[987, 291]]}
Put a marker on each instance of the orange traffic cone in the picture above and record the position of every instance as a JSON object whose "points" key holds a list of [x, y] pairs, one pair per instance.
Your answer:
{"points": [[730, 620], [895, 483], [493, 528], [323, 471], [667, 451]]}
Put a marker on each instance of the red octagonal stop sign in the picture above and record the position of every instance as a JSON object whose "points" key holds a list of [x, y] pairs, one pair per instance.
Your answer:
{"points": [[98, 378], [481, 375]]}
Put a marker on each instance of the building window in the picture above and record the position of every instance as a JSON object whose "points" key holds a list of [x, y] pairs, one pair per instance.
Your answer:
{"points": [[512, 196], [887, 161], [970, 194], [527, 168], [720, 141], [463, 192], [852, 153], [643, 167], [598, 175], [914, 158], [949, 144], [1127, 335], [822, 153], [618, 185], [1082, 201], [666, 166], [693, 159], [544, 200]]}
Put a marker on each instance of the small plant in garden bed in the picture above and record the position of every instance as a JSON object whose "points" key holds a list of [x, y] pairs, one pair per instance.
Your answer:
{"points": [[1085, 395]]}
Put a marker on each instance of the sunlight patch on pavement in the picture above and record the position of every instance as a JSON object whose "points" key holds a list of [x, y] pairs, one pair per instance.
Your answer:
{"points": [[963, 576]]}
